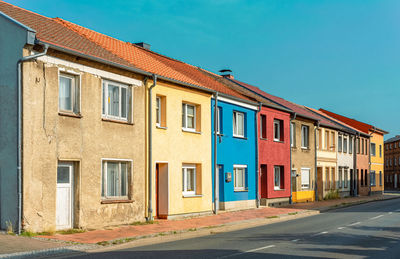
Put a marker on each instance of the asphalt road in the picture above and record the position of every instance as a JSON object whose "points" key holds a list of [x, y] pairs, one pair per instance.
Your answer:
{"points": [[369, 230]]}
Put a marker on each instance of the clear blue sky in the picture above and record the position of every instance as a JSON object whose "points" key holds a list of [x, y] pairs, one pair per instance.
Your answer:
{"points": [[341, 55]]}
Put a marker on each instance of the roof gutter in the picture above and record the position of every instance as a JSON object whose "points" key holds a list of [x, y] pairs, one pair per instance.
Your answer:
{"points": [[19, 129]]}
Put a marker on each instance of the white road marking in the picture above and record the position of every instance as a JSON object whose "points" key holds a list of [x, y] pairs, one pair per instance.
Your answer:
{"points": [[325, 232], [341, 227], [390, 213], [377, 217], [295, 240], [354, 224], [249, 251]]}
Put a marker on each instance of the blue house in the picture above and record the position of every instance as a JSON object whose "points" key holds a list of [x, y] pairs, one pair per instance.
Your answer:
{"points": [[236, 154]]}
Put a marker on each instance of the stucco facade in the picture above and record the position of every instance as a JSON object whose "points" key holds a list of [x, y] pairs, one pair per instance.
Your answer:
{"points": [[377, 162], [174, 148], [236, 153], [326, 161], [303, 159], [85, 140], [345, 163], [362, 162], [13, 37], [271, 153]]}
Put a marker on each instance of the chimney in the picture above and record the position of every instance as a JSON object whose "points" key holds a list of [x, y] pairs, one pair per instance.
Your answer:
{"points": [[143, 45], [227, 73]]}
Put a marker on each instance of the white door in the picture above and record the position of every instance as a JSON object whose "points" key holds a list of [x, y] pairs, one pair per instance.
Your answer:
{"points": [[64, 196]]}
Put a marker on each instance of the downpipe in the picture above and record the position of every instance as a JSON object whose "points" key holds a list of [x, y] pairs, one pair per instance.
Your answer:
{"points": [[150, 166], [216, 171], [19, 130]]}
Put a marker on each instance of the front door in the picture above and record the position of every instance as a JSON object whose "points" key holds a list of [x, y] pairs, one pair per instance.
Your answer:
{"points": [[64, 196], [264, 181]]}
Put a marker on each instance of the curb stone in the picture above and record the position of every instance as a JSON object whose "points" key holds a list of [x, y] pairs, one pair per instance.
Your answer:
{"points": [[48, 252]]}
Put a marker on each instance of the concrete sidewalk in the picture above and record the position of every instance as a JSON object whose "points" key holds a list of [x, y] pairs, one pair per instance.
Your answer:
{"points": [[164, 230]]}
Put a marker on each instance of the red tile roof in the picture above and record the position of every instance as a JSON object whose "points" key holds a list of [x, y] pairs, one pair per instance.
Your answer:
{"points": [[68, 35], [361, 126]]}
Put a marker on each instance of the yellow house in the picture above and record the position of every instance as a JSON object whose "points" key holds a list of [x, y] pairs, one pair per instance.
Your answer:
{"points": [[377, 160], [181, 151]]}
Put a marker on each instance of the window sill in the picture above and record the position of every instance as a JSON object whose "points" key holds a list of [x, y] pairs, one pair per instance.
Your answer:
{"points": [[73, 115], [278, 141], [191, 131], [240, 137], [263, 139], [192, 195], [305, 148], [116, 201], [117, 121], [240, 190], [161, 127], [278, 189]]}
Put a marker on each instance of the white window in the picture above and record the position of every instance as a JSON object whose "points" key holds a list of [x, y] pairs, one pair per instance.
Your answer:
{"points": [[346, 177], [188, 117], [238, 124], [278, 127], [305, 178], [373, 149], [116, 101], [278, 178], [340, 144], [239, 174], [292, 134], [69, 93], [304, 136], [189, 179], [345, 144], [350, 145], [158, 111], [219, 120], [115, 179]]}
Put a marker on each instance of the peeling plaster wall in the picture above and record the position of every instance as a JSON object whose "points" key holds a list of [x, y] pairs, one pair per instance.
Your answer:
{"points": [[49, 137]]}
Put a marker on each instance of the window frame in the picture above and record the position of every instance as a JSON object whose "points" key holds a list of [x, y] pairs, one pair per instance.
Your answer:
{"points": [[309, 179], [263, 126], [185, 168], [345, 144], [158, 111], [185, 115], [350, 145], [239, 188], [129, 101], [277, 131], [302, 137], [372, 150], [292, 134], [340, 143], [104, 165], [75, 89], [235, 124], [219, 120], [281, 179]]}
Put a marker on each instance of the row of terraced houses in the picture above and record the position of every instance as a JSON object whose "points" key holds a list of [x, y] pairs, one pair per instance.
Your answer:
{"points": [[95, 131]]}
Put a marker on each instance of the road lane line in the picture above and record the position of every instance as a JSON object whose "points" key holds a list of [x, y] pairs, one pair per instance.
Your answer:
{"points": [[377, 217], [248, 251], [356, 223], [295, 240], [341, 227], [390, 213], [318, 234]]}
